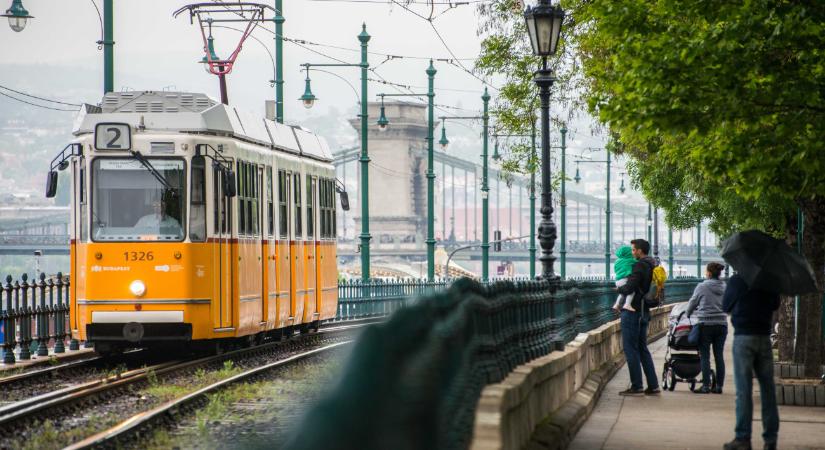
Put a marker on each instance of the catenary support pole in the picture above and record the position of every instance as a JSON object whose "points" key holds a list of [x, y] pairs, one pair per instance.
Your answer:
{"points": [[364, 38], [430, 174], [563, 202], [108, 47], [279, 61]]}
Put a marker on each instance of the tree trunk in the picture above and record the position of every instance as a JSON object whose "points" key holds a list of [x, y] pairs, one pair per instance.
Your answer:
{"points": [[786, 314], [786, 328], [809, 335]]}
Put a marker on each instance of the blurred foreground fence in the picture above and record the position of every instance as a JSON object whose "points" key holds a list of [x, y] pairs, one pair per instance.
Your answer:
{"points": [[414, 380]]}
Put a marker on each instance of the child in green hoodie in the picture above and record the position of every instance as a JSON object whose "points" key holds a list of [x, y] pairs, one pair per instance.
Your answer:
{"points": [[623, 267]]}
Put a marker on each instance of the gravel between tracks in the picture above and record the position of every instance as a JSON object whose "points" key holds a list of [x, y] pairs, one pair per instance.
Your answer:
{"points": [[68, 426], [256, 415]]}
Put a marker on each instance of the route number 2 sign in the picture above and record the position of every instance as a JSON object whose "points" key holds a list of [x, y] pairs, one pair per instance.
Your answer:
{"points": [[113, 136]]}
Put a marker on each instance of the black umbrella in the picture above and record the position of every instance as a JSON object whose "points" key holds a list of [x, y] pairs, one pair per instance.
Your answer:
{"points": [[769, 264]]}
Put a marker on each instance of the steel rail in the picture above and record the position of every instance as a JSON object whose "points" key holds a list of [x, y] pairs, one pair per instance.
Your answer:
{"points": [[53, 370]]}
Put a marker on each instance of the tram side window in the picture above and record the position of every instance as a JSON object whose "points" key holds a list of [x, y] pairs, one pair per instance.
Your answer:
{"points": [[310, 207], [332, 210], [283, 180], [197, 217], [270, 211], [251, 217], [84, 229], [296, 188], [327, 212], [322, 207], [221, 210], [241, 197], [256, 211]]}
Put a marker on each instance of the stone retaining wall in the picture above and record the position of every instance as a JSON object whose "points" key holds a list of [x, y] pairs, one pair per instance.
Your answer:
{"points": [[543, 403]]}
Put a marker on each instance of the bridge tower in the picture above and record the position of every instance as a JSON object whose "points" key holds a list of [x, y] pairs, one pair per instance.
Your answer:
{"points": [[398, 183]]}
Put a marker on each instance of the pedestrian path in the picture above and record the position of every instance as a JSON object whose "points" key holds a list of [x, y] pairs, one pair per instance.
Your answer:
{"points": [[684, 420]]}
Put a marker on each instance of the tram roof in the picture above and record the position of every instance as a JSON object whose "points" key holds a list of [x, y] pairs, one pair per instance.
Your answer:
{"points": [[188, 112]]}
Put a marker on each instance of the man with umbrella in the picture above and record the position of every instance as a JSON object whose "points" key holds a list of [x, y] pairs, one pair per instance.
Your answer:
{"points": [[766, 267]]}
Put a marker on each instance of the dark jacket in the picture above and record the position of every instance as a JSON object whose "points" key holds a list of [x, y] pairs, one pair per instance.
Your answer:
{"points": [[639, 281], [751, 310]]}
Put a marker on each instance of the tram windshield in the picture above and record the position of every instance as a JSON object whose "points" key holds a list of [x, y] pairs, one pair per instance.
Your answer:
{"points": [[129, 203]]}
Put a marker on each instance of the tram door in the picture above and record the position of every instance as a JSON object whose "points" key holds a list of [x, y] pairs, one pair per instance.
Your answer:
{"points": [[77, 226], [261, 227], [222, 303], [284, 255]]}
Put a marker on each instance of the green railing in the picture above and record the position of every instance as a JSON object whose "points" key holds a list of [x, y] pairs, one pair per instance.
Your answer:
{"points": [[378, 297], [413, 381]]}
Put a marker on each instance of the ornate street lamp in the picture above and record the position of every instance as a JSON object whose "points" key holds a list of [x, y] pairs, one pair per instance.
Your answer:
{"points": [[17, 15], [308, 99], [544, 28], [383, 123], [496, 154], [443, 142]]}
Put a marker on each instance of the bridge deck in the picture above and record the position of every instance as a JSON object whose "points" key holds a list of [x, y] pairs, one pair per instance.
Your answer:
{"points": [[682, 419]]}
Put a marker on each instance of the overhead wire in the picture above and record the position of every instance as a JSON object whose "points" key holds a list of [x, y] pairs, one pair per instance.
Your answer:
{"points": [[40, 98], [303, 44], [34, 104]]}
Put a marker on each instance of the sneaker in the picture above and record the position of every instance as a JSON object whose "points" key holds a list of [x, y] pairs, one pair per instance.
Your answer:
{"points": [[653, 391], [771, 446], [632, 392], [702, 390], [717, 390], [738, 444]]}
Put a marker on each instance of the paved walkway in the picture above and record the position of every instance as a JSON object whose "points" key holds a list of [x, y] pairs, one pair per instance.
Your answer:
{"points": [[684, 420]]}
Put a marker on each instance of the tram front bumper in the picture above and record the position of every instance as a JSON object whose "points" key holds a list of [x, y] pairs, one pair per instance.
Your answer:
{"points": [[135, 332]]}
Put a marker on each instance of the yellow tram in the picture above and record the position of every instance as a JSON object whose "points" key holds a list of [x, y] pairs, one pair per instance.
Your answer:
{"points": [[194, 221]]}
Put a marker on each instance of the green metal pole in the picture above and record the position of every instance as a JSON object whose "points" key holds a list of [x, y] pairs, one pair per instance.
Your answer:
{"points": [[607, 236], [485, 190], [699, 249], [563, 202], [533, 206], [108, 47], [430, 174], [279, 61], [649, 224], [364, 38], [670, 252]]}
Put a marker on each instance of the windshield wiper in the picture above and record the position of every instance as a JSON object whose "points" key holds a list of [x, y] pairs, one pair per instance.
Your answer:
{"points": [[138, 156]]}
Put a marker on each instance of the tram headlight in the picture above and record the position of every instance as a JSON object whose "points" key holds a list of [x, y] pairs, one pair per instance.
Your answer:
{"points": [[138, 288]]}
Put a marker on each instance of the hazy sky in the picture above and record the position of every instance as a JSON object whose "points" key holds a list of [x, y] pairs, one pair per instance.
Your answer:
{"points": [[154, 51]]}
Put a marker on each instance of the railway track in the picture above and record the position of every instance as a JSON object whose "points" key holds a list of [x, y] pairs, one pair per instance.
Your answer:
{"points": [[123, 432], [63, 406]]}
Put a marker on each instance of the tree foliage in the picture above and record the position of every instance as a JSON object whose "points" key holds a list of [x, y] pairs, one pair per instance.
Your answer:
{"points": [[719, 105]]}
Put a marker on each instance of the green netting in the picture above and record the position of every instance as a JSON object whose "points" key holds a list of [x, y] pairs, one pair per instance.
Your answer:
{"points": [[413, 382]]}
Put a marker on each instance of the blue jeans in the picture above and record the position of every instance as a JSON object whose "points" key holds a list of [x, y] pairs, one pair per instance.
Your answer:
{"points": [[752, 354], [713, 336], [634, 340]]}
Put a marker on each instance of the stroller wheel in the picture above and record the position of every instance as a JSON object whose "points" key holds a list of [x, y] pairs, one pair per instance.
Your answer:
{"points": [[672, 385], [664, 380], [692, 385]]}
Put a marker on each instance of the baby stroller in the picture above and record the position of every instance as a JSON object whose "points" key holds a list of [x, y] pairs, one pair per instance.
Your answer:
{"points": [[682, 367]]}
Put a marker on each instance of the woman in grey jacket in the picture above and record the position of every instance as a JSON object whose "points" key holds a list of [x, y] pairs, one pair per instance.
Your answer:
{"points": [[706, 308]]}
